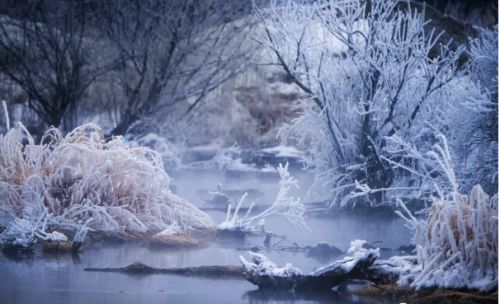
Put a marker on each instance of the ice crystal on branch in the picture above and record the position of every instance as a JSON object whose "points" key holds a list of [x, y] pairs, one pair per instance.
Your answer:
{"points": [[284, 205]]}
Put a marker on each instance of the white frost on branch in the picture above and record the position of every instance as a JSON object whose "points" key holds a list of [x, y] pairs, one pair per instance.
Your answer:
{"points": [[284, 205], [366, 68], [81, 233], [24, 232]]}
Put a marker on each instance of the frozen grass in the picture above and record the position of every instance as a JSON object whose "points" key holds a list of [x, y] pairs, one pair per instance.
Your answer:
{"points": [[82, 178], [170, 152], [457, 244]]}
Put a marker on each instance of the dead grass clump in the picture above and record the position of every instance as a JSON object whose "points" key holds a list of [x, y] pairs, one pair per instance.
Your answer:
{"points": [[82, 177], [457, 245]]}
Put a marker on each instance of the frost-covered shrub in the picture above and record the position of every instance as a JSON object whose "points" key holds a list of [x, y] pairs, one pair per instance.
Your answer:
{"points": [[457, 245], [82, 178], [483, 52], [230, 159], [374, 70], [473, 133], [171, 153]]}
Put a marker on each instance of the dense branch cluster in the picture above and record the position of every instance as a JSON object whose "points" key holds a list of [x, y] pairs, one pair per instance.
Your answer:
{"points": [[375, 71], [131, 59]]}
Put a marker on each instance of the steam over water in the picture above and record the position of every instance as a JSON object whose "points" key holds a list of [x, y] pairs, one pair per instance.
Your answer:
{"points": [[62, 279]]}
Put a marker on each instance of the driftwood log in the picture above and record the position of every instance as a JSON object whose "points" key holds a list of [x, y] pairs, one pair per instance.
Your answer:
{"points": [[266, 275], [337, 273], [224, 272], [362, 265]]}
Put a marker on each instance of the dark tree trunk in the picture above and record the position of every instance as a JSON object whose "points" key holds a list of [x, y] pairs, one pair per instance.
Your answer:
{"points": [[377, 175], [124, 125], [132, 116]]}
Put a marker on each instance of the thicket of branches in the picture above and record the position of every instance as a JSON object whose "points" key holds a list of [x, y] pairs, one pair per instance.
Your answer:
{"points": [[382, 83], [129, 59], [46, 51]]}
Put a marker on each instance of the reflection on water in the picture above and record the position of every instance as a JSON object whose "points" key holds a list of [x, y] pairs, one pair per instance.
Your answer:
{"points": [[61, 279], [259, 296]]}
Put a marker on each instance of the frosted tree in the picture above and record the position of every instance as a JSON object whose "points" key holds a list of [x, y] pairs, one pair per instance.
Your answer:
{"points": [[478, 140], [373, 70]]}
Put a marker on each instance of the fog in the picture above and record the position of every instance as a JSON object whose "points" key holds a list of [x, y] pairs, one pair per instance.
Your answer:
{"points": [[262, 152]]}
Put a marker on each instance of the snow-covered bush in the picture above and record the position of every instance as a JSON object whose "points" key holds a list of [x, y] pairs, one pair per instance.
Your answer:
{"points": [[82, 176], [171, 154], [284, 205], [373, 70]]}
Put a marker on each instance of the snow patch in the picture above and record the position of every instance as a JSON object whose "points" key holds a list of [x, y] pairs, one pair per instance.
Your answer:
{"points": [[260, 265], [358, 253]]}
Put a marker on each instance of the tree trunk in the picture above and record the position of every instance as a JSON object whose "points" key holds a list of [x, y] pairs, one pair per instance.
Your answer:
{"points": [[130, 117], [124, 124], [377, 175]]}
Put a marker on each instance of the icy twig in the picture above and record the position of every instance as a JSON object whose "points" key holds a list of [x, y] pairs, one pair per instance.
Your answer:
{"points": [[284, 205]]}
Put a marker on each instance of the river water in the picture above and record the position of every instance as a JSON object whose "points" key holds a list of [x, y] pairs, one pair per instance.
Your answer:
{"points": [[62, 279]]}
